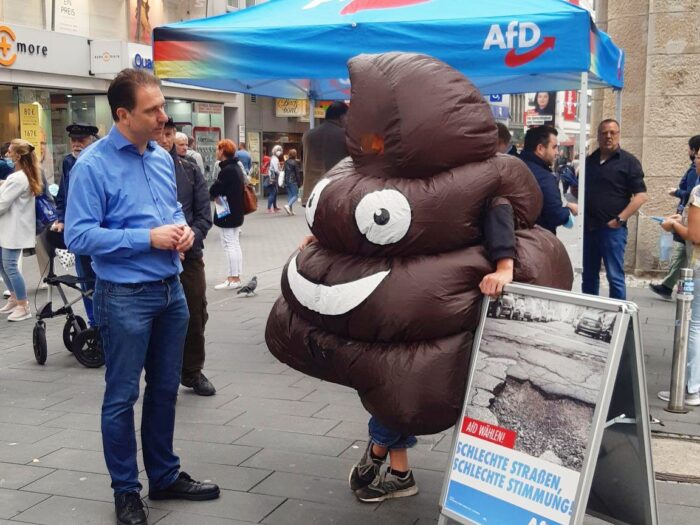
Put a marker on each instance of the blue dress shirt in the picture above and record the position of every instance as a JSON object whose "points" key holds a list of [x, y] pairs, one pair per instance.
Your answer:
{"points": [[116, 197]]}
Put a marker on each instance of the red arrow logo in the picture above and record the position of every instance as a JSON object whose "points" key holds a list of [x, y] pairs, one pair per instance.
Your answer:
{"points": [[515, 60], [362, 5]]}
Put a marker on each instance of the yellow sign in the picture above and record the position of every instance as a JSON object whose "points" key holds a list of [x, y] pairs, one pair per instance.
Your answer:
{"points": [[287, 107], [29, 126], [5, 46]]}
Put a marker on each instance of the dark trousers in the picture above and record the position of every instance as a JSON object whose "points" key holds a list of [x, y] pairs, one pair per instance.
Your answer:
{"points": [[609, 245], [195, 286], [142, 326]]}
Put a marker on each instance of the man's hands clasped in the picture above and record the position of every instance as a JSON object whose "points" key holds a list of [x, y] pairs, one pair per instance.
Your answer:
{"points": [[178, 237]]}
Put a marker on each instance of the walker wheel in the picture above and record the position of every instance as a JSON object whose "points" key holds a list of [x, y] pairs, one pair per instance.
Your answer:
{"points": [[71, 328], [39, 342], [87, 348]]}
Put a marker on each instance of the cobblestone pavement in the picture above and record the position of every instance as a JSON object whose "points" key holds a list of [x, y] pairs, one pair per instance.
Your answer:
{"points": [[278, 443]]}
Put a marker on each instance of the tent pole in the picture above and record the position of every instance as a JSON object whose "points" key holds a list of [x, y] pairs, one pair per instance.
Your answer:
{"points": [[618, 106], [312, 108], [583, 122]]}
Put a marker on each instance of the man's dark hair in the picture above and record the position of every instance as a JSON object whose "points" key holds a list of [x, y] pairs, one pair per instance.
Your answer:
{"points": [[122, 90], [694, 143], [336, 110], [170, 124], [4, 148], [538, 135], [608, 121], [504, 135]]}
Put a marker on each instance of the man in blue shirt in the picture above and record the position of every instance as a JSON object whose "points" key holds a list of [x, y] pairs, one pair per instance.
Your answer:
{"points": [[539, 153], [123, 212]]}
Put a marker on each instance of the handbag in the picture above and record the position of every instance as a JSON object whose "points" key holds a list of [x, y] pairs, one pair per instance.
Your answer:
{"points": [[45, 210], [281, 179], [250, 200]]}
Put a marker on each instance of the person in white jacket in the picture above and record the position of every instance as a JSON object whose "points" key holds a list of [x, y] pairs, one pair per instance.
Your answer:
{"points": [[18, 224]]}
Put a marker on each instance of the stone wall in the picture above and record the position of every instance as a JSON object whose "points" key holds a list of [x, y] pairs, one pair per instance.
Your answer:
{"points": [[660, 102]]}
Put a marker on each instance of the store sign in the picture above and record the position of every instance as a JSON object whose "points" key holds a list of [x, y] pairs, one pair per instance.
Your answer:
{"points": [[29, 126], [27, 49], [72, 16], [140, 57], [209, 108], [106, 56], [288, 107]]}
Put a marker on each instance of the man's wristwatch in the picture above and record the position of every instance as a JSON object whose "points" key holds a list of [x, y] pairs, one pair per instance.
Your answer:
{"points": [[620, 220]]}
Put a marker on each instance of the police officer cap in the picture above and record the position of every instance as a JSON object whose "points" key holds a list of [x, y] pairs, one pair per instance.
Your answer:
{"points": [[80, 129]]}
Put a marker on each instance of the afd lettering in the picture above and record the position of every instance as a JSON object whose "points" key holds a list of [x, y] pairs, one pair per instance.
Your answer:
{"points": [[527, 33], [523, 39]]}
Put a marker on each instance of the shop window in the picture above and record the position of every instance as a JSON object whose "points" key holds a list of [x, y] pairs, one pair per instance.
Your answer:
{"points": [[9, 117], [25, 13]]}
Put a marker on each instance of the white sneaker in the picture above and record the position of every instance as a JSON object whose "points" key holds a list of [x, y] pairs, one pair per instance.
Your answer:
{"points": [[287, 209], [6, 293], [20, 313], [9, 307], [228, 285], [692, 400]]}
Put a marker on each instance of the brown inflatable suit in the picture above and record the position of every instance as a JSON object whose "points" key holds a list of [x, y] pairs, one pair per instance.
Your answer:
{"points": [[387, 300]]}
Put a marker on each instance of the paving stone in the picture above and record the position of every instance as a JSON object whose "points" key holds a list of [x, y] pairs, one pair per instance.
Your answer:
{"points": [[80, 460], [418, 457], [23, 453], [78, 439], [13, 502], [685, 494], [355, 413], [353, 430], [17, 476], [303, 425], [10, 432], [243, 506], [27, 416], [74, 484], [192, 452], [225, 434], [210, 416], [274, 406], [77, 421], [294, 512], [308, 488], [59, 510], [295, 442], [269, 392], [346, 397], [227, 476], [298, 463], [184, 518]]}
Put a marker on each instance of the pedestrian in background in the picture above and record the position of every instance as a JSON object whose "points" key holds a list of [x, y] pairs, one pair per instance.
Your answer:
{"points": [[18, 224], [324, 146], [193, 154], [244, 157], [679, 258], [615, 190], [504, 140], [687, 227], [227, 192], [123, 211], [273, 173], [193, 195], [292, 180], [539, 153]]}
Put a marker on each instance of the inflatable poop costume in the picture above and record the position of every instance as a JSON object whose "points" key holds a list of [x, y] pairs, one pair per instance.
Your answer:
{"points": [[387, 300]]}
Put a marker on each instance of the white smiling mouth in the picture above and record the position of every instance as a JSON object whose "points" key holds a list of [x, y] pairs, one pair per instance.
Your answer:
{"points": [[331, 300]]}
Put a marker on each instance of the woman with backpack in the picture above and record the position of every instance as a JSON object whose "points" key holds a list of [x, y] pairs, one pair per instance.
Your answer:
{"points": [[292, 180], [18, 224]]}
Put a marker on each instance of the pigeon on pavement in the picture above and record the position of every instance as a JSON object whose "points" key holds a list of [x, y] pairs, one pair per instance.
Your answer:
{"points": [[249, 289]]}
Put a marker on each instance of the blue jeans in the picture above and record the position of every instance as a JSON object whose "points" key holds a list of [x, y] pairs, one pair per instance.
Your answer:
{"points": [[142, 326], [83, 268], [607, 244], [384, 437], [293, 193], [693, 368], [10, 273], [272, 196]]}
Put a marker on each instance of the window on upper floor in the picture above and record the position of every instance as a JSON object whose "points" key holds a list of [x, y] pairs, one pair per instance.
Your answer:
{"points": [[28, 13]]}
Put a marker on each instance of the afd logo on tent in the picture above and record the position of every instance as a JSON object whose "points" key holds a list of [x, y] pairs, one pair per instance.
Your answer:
{"points": [[355, 6], [523, 39]]}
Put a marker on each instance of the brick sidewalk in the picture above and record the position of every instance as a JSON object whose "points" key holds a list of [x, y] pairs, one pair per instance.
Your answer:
{"points": [[278, 443]]}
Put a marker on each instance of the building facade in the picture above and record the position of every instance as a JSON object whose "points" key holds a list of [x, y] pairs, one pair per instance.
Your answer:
{"points": [[660, 103], [57, 58]]}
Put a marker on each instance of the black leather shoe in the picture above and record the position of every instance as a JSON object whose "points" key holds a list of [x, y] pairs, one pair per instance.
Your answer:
{"points": [[187, 488], [129, 508], [201, 386]]}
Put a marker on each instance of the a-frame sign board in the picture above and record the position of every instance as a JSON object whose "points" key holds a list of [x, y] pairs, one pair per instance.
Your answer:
{"points": [[555, 424]]}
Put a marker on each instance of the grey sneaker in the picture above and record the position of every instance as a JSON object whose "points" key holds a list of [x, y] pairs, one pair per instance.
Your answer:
{"points": [[364, 472], [388, 486], [692, 400]]}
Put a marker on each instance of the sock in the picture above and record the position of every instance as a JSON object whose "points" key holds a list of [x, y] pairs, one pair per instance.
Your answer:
{"points": [[377, 459], [399, 473]]}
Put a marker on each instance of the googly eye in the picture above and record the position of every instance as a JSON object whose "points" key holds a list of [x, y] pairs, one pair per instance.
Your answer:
{"points": [[312, 203], [383, 217]]}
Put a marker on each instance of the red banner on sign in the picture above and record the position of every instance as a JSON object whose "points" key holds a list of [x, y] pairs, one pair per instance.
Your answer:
{"points": [[487, 432], [570, 105]]}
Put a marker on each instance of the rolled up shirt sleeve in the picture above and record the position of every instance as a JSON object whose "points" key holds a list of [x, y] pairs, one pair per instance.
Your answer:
{"points": [[85, 214]]}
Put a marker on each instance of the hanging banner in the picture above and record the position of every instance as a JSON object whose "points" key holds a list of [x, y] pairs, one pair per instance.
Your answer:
{"points": [[570, 105], [29, 125], [543, 108], [72, 17]]}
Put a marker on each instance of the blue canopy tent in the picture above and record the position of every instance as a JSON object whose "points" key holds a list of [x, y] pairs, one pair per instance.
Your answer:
{"points": [[299, 48]]}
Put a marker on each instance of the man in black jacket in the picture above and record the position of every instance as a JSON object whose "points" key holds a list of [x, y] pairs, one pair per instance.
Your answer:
{"points": [[539, 153], [193, 195]]}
